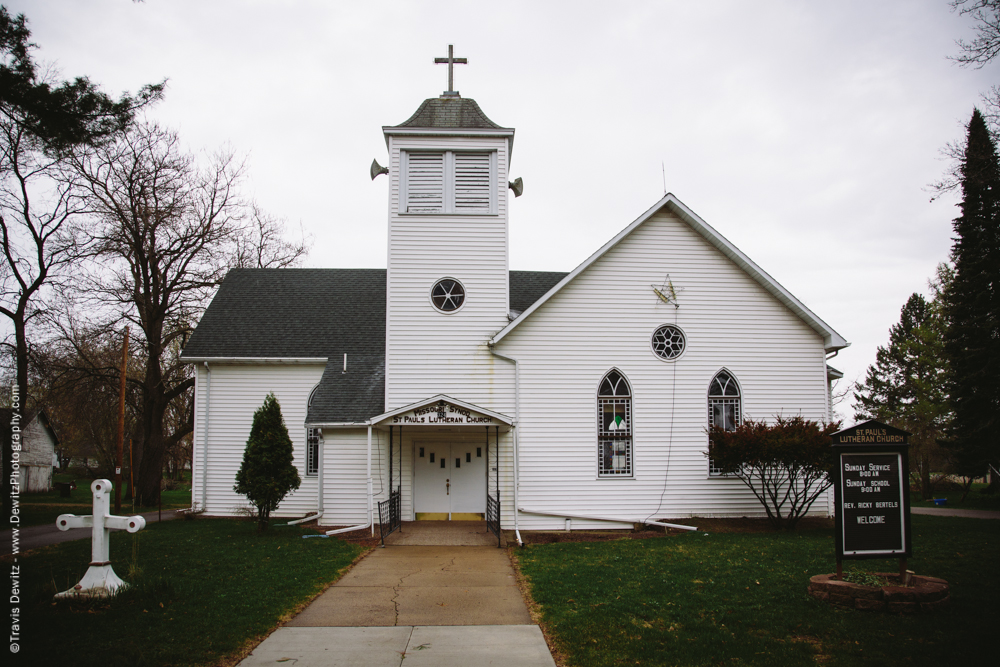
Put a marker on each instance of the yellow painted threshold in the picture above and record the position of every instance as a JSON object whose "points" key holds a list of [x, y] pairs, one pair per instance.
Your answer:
{"points": [[443, 516]]}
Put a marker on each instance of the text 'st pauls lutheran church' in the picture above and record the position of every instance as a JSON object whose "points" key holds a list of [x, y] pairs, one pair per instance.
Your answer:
{"points": [[580, 399]]}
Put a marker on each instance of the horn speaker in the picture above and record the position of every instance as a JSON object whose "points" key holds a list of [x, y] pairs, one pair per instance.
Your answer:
{"points": [[377, 169], [517, 186]]}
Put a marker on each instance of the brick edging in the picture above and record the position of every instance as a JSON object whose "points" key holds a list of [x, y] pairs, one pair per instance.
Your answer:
{"points": [[926, 594]]}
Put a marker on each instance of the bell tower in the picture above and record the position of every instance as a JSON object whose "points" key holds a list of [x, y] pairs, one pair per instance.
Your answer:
{"points": [[447, 285]]}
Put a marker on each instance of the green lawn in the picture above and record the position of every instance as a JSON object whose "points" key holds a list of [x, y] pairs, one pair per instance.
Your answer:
{"points": [[976, 500], [42, 508], [740, 599], [206, 588]]}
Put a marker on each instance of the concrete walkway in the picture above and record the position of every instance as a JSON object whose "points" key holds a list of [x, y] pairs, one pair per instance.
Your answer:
{"points": [[432, 598]]}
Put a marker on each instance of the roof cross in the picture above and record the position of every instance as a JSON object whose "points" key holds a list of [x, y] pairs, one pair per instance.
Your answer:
{"points": [[451, 60]]}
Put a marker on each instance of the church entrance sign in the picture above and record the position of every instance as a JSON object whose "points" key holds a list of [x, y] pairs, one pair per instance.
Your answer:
{"points": [[871, 488], [442, 413]]}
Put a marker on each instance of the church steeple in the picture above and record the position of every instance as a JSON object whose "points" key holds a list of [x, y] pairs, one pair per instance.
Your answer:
{"points": [[447, 287]]}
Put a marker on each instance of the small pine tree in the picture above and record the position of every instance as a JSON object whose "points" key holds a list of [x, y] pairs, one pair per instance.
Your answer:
{"points": [[905, 387], [267, 474], [973, 338]]}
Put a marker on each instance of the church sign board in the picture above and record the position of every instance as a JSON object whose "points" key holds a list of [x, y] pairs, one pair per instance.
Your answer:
{"points": [[871, 489], [443, 414]]}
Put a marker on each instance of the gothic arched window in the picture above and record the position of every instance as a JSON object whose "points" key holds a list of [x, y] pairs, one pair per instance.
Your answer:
{"points": [[614, 430], [724, 407]]}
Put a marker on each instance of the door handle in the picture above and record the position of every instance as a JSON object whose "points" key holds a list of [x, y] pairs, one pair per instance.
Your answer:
{"points": [[447, 487]]}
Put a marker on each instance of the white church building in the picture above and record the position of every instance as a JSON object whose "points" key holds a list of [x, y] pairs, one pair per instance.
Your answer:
{"points": [[574, 400]]}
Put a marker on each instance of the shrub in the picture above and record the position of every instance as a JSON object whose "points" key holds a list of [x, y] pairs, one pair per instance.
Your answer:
{"points": [[786, 464]]}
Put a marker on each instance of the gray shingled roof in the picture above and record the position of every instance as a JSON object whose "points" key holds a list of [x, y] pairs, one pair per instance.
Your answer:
{"points": [[350, 397], [301, 313], [527, 287], [450, 113], [293, 313]]}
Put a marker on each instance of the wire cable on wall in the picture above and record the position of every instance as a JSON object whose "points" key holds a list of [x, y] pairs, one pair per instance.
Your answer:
{"points": [[670, 433]]}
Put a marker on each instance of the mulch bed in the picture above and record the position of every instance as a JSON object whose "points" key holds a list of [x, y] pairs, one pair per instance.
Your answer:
{"points": [[735, 525]]}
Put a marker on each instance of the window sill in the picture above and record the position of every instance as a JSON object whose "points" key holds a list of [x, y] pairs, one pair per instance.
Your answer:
{"points": [[450, 214]]}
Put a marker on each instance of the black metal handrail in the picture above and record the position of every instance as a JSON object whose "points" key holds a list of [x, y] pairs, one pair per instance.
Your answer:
{"points": [[493, 515], [389, 515]]}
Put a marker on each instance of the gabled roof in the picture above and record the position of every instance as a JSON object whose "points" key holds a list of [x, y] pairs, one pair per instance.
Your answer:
{"points": [[500, 417], [831, 339]]}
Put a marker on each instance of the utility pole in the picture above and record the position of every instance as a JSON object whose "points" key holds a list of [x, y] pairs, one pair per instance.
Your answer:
{"points": [[121, 428]]}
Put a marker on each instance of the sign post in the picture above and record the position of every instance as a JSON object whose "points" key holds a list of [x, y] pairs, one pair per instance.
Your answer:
{"points": [[872, 494]]}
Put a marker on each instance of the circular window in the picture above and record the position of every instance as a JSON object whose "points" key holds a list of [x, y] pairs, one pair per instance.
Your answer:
{"points": [[447, 295], [668, 342]]}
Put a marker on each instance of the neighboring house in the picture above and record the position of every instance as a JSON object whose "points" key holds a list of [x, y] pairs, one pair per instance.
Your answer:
{"points": [[37, 458], [581, 399]]}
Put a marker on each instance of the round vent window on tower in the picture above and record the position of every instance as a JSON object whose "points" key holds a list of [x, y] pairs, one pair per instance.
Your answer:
{"points": [[447, 295], [668, 342]]}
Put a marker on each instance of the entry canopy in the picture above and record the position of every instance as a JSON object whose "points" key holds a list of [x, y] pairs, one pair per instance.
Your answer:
{"points": [[443, 412]]}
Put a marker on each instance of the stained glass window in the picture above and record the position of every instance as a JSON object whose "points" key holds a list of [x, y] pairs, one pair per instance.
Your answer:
{"points": [[614, 434]]}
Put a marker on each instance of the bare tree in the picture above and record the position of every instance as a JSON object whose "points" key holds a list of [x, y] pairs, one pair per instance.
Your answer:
{"points": [[41, 120], [76, 379], [35, 212], [165, 230], [986, 45]]}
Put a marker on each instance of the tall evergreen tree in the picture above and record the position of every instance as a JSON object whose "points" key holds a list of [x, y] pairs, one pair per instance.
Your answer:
{"points": [[906, 386], [973, 339], [267, 474]]}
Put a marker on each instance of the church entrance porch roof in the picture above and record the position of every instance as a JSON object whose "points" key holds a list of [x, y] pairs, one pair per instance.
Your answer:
{"points": [[443, 411]]}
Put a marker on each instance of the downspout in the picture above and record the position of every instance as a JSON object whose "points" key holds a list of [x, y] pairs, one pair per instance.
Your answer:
{"points": [[609, 518], [371, 521], [204, 444], [517, 422]]}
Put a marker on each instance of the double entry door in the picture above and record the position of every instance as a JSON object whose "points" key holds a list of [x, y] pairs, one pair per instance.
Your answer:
{"points": [[449, 481]]}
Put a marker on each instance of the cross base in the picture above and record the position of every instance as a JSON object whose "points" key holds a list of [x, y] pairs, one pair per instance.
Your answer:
{"points": [[100, 581]]}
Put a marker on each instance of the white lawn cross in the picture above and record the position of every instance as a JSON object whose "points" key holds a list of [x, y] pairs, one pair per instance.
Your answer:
{"points": [[100, 579]]}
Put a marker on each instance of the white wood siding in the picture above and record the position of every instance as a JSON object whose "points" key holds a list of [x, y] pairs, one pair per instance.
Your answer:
{"points": [[237, 391], [604, 319], [345, 497], [429, 352]]}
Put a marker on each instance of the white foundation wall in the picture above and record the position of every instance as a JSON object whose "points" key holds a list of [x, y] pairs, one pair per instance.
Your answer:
{"points": [[236, 392], [429, 352], [604, 319]]}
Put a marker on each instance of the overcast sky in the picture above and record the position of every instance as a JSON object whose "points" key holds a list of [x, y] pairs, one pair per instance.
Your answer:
{"points": [[804, 132]]}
